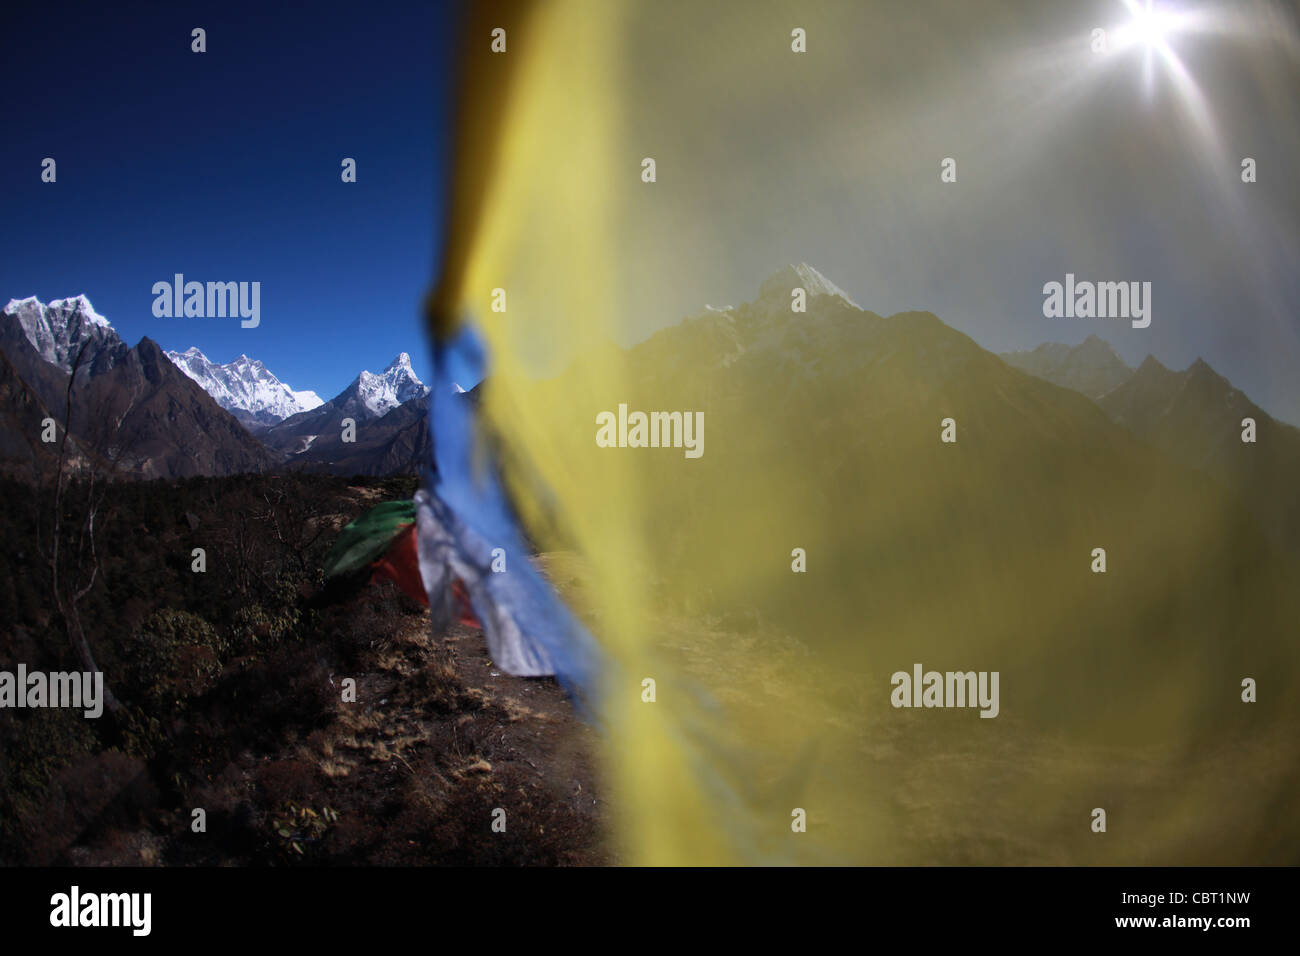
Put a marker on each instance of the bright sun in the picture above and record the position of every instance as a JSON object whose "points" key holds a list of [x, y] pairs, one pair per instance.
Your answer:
{"points": [[1150, 25]]}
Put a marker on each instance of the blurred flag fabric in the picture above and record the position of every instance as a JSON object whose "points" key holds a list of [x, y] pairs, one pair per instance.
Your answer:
{"points": [[607, 150], [383, 541], [534, 202]]}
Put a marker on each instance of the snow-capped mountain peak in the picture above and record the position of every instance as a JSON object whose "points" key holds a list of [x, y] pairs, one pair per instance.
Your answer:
{"points": [[394, 386], [80, 305], [805, 277], [245, 385], [58, 330]]}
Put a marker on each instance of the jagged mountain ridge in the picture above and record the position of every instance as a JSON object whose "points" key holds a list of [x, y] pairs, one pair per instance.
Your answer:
{"points": [[1194, 417], [121, 418], [824, 431], [154, 421], [368, 398], [1092, 367], [245, 387], [132, 411], [398, 442]]}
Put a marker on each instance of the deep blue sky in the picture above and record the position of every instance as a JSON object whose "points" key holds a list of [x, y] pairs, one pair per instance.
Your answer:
{"points": [[225, 166]]}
